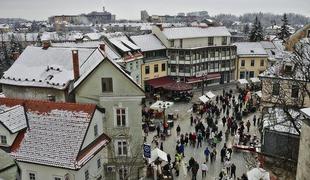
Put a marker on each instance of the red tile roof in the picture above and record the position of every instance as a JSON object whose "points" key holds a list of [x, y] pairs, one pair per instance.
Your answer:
{"points": [[46, 106]]}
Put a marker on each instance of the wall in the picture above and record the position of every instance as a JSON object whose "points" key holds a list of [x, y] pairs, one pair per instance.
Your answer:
{"points": [[22, 92], [152, 74], [303, 166], [9, 137], [285, 93], [49, 173], [286, 145], [90, 136], [257, 68], [134, 67]]}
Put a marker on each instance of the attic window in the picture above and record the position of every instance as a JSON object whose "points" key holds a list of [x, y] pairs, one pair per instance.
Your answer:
{"points": [[288, 68]]}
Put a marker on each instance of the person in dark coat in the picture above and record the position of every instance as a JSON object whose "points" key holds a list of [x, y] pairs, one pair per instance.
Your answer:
{"points": [[233, 170], [195, 169], [178, 130], [223, 154]]}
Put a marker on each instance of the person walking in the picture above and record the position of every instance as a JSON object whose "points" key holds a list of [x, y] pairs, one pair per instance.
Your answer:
{"points": [[223, 154], [254, 120], [227, 165], [199, 140], [177, 167], [248, 125], [207, 153], [204, 169], [192, 119], [161, 146], [195, 169], [224, 121], [178, 130], [169, 158], [158, 130], [233, 170]]}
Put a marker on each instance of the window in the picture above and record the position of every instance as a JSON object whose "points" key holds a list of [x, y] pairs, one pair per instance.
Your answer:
{"points": [[147, 69], [173, 68], [32, 176], [210, 41], [295, 91], [96, 130], [242, 75], [57, 178], [155, 68], [3, 140], [181, 43], [276, 89], [252, 62], [172, 43], [262, 62], [224, 40], [251, 74], [107, 84], [242, 63], [99, 163], [308, 34], [123, 173], [121, 117], [121, 147], [163, 67], [86, 175]]}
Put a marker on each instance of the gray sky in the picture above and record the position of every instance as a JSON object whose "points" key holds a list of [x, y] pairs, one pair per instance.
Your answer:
{"points": [[130, 9]]}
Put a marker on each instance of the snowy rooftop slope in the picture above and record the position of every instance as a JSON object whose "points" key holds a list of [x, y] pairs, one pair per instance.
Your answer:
{"points": [[267, 45], [195, 32], [277, 120], [250, 49], [90, 44], [13, 118], [306, 111], [55, 134], [48, 68], [148, 42]]}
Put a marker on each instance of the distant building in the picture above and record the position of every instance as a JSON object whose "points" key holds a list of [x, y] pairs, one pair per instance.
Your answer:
{"points": [[93, 17], [198, 54], [251, 60], [198, 14], [144, 16]]}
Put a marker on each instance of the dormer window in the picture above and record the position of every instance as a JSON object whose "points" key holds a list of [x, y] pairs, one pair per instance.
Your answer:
{"points": [[288, 68]]}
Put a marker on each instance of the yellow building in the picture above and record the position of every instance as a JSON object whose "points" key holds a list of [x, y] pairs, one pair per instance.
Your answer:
{"points": [[155, 57], [252, 60]]}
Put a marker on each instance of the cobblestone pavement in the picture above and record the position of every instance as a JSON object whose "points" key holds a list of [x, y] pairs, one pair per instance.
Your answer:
{"points": [[242, 160]]}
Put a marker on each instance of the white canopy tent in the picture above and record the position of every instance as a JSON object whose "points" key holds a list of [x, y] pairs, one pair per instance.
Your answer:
{"points": [[210, 95], [204, 99], [243, 81], [255, 80], [259, 93], [157, 153], [160, 105], [258, 174]]}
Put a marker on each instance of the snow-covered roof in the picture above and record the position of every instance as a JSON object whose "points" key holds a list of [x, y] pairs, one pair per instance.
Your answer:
{"points": [[13, 118], [276, 119], [148, 42], [56, 133], [195, 32], [306, 111], [50, 68], [267, 45], [250, 49], [255, 80], [90, 44], [243, 81]]}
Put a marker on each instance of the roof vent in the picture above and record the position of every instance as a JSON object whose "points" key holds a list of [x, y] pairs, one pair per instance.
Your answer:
{"points": [[252, 51]]}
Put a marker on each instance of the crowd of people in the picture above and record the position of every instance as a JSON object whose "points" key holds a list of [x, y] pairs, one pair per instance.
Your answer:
{"points": [[209, 132]]}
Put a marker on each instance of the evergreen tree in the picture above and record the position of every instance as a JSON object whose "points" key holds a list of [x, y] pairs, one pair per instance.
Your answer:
{"points": [[284, 33], [246, 29], [256, 33]]}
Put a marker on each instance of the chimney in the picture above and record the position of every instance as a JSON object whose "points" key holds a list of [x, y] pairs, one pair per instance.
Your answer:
{"points": [[46, 45], [76, 66], [102, 47], [160, 26], [15, 55]]}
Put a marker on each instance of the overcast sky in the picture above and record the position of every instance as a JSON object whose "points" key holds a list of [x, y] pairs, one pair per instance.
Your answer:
{"points": [[130, 9]]}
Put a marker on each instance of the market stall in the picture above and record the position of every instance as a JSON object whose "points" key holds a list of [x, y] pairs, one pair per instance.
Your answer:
{"points": [[204, 99], [178, 91], [210, 95]]}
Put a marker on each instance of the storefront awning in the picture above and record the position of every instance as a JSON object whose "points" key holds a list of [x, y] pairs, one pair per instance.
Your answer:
{"points": [[199, 79], [159, 82], [178, 86]]}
